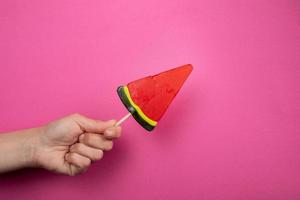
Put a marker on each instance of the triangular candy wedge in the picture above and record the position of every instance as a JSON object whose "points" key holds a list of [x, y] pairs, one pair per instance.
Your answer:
{"points": [[147, 99]]}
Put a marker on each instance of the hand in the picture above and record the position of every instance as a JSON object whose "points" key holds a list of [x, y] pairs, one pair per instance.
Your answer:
{"points": [[70, 144]]}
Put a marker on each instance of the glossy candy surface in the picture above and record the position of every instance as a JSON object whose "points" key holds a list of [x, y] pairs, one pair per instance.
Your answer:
{"points": [[148, 98]]}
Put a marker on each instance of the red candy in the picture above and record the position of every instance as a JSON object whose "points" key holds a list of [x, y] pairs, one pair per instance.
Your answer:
{"points": [[153, 94]]}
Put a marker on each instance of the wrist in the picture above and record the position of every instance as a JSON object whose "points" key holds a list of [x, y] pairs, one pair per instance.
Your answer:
{"points": [[31, 146]]}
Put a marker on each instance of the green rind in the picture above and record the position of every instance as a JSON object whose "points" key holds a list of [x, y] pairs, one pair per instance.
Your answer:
{"points": [[132, 110]]}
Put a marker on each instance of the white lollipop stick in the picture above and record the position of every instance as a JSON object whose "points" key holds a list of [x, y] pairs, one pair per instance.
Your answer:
{"points": [[123, 119]]}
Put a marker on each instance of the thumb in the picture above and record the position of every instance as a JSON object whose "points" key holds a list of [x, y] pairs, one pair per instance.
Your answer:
{"points": [[91, 125]]}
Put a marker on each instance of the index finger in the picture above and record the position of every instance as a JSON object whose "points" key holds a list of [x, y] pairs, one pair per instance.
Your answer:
{"points": [[91, 125]]}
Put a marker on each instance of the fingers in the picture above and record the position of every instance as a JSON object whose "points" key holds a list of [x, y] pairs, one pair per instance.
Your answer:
{"points": [[91, 125], [97, 137], [89, 152], [96, 141], [78, 160]]}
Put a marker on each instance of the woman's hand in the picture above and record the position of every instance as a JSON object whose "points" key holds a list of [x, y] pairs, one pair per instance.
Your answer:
{"points": [[67, 145]]}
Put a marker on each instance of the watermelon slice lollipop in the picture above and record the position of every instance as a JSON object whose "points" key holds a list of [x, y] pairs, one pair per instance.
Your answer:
{"points": [[147, 99]]}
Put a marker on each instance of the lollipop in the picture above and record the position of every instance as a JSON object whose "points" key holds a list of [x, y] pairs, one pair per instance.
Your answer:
{"points": [[147, 99]]}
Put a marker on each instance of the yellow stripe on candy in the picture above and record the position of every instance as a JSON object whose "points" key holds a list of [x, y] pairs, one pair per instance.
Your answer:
{"points": [[137, 108]]}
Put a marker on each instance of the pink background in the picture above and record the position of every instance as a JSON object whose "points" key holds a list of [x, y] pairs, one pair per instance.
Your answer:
{"points": [[231, 133]]}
